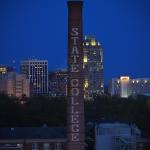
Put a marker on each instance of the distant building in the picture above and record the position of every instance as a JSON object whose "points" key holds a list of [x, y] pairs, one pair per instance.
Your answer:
{"points": [[22, 86], [93, 67], [29, 138], [14, 84], [4, 70], [17, 85], [116, 136], [125, 87], [37, 73], [58, 83]]}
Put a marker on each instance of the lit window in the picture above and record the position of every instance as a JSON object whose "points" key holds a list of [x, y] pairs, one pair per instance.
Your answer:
{"points": [[46, 146], [35, 146], [93, 43], [57, 146], [85, 59], [145, 81], [99, 44], [87, 43], [3, 70], [86, 84]]}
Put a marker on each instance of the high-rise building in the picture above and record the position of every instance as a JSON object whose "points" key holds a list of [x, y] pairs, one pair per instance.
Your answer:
{"points": [[125, 87], [58, 83], [16, 85], [93, 67], [37, 73], [4, 70], [22, 86]]}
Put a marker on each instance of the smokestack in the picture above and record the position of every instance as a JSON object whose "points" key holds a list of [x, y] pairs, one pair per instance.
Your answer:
{"points": [[75, 111]]}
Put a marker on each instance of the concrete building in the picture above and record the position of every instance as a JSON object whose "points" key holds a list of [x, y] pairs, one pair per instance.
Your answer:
{"points": [[58, 83], [93, 67], [4, 70], [11, 84], [37, 73], [22, 86], [116, 136], [17, 85], [125, 87], [33, 138]]}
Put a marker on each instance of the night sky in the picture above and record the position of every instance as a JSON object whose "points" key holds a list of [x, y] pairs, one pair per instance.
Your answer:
{"points": [[38, 29]]}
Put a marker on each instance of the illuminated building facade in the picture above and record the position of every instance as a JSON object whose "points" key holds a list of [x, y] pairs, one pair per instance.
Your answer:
{"points": [[17, 85], [125, 87], [75, 91], [37, 73], [58, 83], [4, 70], [22, 86], [93, 67]]}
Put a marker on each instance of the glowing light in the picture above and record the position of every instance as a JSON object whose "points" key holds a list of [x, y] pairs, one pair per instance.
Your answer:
{"points": [[137, 81], [86, 84], [126, 78], [3, 70], [93, 43], [85, 59], [145, 81], [87, 44]]}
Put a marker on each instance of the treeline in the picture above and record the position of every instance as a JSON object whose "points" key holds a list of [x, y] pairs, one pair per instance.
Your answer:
{"points": [[115, 109], [36, 111], [52, 111]]}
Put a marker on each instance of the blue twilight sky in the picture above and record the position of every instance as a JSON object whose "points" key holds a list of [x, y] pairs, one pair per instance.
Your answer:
{"points": [[38, 29]]}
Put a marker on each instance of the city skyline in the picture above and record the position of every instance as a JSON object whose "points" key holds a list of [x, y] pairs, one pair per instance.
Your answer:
{"points": [[36, 29]]}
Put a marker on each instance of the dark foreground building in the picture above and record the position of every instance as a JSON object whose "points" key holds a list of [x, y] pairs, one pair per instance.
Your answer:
{"points": [[29, 138]]}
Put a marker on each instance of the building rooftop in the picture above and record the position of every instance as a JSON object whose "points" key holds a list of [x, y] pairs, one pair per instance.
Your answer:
{"points": [[33, 133]]}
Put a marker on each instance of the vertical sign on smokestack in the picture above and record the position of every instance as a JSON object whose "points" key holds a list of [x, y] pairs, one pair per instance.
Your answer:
{"points": [[75, 112]]}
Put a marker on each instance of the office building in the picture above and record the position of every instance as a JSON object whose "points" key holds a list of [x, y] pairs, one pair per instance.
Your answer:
{"points": [[4, 70], [93, 67], [116, 136], [23, 87], [17, 85], [125, 86], [58, 83], [33, 138], [37, 73]]}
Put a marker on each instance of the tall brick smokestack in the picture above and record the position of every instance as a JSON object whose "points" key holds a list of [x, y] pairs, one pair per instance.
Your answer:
{"points": [[75, 111]]}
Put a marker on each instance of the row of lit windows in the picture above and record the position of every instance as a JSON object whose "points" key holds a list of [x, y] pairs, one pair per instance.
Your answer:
{"points": [[91, 43], [38, 62], [46, 146], [136, 81]]}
